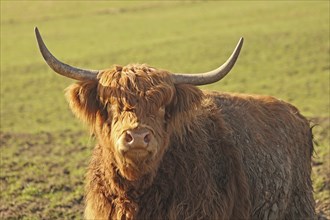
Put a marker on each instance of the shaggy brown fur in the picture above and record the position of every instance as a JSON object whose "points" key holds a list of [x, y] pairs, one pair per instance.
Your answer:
{"points": [[218, 156]]}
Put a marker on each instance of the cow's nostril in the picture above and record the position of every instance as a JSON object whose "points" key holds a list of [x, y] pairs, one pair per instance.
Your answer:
{"points": [[128, 137], [147, 138]]}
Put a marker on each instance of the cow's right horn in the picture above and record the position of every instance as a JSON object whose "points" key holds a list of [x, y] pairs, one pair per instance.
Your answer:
{"points": [[62, 68]]}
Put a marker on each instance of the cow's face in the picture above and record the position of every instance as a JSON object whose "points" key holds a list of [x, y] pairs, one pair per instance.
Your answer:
{"points": [[133, 112]]}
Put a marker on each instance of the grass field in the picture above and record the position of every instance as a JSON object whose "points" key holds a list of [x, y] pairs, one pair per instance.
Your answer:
{"points": [[45, 150]]}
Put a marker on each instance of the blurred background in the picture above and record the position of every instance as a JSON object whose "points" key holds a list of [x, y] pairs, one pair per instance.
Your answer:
{"points": [[45, 150]]}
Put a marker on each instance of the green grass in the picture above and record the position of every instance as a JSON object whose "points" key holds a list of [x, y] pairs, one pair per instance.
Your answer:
{"points": [[285, 54]]}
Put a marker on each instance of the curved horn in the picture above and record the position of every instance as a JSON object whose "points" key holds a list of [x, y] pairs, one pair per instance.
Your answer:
{"points": [[62, 68], [212, 76]]}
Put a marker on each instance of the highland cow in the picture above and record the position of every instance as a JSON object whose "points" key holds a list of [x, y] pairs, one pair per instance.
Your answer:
{"points": [[168, 150]]}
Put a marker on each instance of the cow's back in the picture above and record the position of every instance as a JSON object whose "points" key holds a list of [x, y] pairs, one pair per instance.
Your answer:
{"points": [[276, 143]]}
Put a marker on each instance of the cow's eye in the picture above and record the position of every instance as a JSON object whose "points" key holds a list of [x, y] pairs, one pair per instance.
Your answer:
{"points": [[129, 110]]}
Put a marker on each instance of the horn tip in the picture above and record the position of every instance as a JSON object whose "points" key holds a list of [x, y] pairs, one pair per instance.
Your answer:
{"points": [[37, 33], [241, 39]]}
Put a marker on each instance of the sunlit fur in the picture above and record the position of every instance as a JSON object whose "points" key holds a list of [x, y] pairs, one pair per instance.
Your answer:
{"points": [[218, 156]]}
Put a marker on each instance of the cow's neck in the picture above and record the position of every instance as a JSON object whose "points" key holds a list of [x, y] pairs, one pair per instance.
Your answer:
{"points": [[119, 186], [132, 188]]}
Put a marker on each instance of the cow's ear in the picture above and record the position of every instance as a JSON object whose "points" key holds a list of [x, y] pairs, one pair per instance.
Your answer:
{"points": [[186, 99], [83, 101]]}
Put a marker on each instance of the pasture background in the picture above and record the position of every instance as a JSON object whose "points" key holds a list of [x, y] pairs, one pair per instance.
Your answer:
{"points": [[45, 150]]}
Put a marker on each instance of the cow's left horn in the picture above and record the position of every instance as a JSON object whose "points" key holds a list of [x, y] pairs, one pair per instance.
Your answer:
{"points": [[212, 76], [62, 68]]}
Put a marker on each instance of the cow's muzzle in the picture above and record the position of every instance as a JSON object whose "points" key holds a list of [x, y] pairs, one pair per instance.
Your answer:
{"points": [[136, 143]]}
